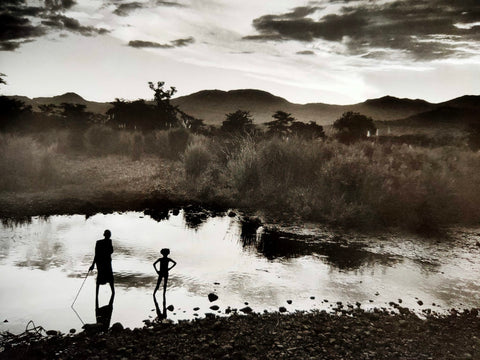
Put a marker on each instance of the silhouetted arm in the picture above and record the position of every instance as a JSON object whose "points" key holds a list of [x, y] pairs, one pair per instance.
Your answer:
{"points": [[171, 267], [155, 266], [93, 264]]}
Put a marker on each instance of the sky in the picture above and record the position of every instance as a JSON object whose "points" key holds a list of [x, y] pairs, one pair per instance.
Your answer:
{"points": [[329, 51]]}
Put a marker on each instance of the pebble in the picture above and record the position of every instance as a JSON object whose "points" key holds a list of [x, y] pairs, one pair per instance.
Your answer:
{"points": [[212, 297], [289, 301], [246, 310], [214, 307]]}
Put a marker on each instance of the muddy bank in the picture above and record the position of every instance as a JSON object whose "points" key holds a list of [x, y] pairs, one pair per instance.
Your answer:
{"points": [[353, 335]]}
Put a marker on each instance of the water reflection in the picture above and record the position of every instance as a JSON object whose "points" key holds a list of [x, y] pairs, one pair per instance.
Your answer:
{"points": [[232, 256], [344, 256], [103, 314]]}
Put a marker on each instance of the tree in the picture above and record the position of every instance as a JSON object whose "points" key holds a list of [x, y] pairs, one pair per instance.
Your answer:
{"points": [[14, 114], [239, 121], [281, 125], [307, 131], [353, 126], [166, 112]]}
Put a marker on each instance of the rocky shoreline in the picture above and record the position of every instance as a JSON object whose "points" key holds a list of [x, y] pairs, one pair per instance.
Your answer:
{"points": [[354, 334]]}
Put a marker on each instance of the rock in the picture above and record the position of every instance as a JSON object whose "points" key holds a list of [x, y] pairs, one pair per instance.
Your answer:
{"points": [[312, 297], [170, 308], [399, 301], [212, 297], [196, 308], [72, 331], [5, 321], [231, 214], [216, 283], [246, 310], [282, 309], [52, 332], [92, 328], [246, 303], [214, 307], [116, 328], [420, 302], [289, 301]]}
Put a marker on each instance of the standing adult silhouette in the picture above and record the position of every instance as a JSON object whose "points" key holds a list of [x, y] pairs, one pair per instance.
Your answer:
{"points": [[103, 259]]}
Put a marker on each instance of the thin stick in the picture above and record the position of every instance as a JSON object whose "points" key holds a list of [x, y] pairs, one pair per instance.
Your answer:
{"points": [[88, 272]]}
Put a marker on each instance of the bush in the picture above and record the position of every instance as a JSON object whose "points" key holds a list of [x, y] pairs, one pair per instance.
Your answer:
{"points": [[196, 160]]}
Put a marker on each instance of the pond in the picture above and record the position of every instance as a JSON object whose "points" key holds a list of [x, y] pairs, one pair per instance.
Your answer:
{"points": [[44, 262]]}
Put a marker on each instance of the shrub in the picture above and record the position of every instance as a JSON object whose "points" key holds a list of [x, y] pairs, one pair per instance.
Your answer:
{"points": [[197, 158]]}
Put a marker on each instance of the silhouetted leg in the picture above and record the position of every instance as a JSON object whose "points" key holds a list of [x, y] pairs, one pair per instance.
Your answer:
{"points": [[96, 295], [165, 280], [158, 285], [112, 287]]}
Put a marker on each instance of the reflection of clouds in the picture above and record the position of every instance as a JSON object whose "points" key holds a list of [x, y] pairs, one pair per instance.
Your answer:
{"points": [[48, 254]]}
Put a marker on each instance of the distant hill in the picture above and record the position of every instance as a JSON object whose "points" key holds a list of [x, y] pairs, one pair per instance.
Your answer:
{"points": [[70, 97], [212, 105]]}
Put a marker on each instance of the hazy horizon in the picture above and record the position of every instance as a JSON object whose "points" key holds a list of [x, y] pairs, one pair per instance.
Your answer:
{"points": [[334, 52]]}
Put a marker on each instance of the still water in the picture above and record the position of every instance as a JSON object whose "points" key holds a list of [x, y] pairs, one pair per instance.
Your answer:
{"points": [[44, 262]]}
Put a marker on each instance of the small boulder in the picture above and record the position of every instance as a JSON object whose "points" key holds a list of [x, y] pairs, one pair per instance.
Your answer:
{"points": [[212, 297], [214, 307], [117, 327], [170, 308], [282, 309], [289, 301], [246, 310]]}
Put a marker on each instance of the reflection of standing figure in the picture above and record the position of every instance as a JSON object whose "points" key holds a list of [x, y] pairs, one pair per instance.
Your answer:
{"points": [[104, 315], [103, 259], [163, 271]]}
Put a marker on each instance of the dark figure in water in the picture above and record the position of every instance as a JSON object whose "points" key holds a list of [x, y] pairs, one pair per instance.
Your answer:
{"points": [[163, 271], [103, 259]]}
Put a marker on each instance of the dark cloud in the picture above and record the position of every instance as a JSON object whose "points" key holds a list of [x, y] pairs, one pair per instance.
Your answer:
{"points": [[418, 28], [20, 22], [59, 5], [63, 22], [305, 52], [125, 9], [172, 44]]}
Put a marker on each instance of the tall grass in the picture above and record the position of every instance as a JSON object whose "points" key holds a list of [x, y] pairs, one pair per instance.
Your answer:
{"points": [[361, 185], [25, 164]]}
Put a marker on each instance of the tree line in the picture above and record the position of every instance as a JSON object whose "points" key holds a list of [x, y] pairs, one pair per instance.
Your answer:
{"points": [[160, 114]]}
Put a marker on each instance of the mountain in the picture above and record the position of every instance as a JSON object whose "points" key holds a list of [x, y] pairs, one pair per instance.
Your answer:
{"points": [[70, 97], [213, 105]]}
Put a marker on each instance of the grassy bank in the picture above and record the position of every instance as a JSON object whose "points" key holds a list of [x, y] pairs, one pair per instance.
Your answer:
{"points": [[365, 185]]}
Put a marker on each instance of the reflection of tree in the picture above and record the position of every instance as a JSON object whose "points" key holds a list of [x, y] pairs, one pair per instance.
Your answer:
{"points": [[249, 227], [158, 214], [275, 244], [194, 216]]}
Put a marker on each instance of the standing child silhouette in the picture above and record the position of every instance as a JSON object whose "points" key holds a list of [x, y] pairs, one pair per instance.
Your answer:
{"points": [[164, 269]]}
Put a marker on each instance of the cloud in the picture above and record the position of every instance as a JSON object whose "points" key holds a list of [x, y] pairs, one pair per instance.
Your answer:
{"points": [[67, 23], [371, 27], [171, 45], [305, 52], [21, 23], [126, 8]]}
